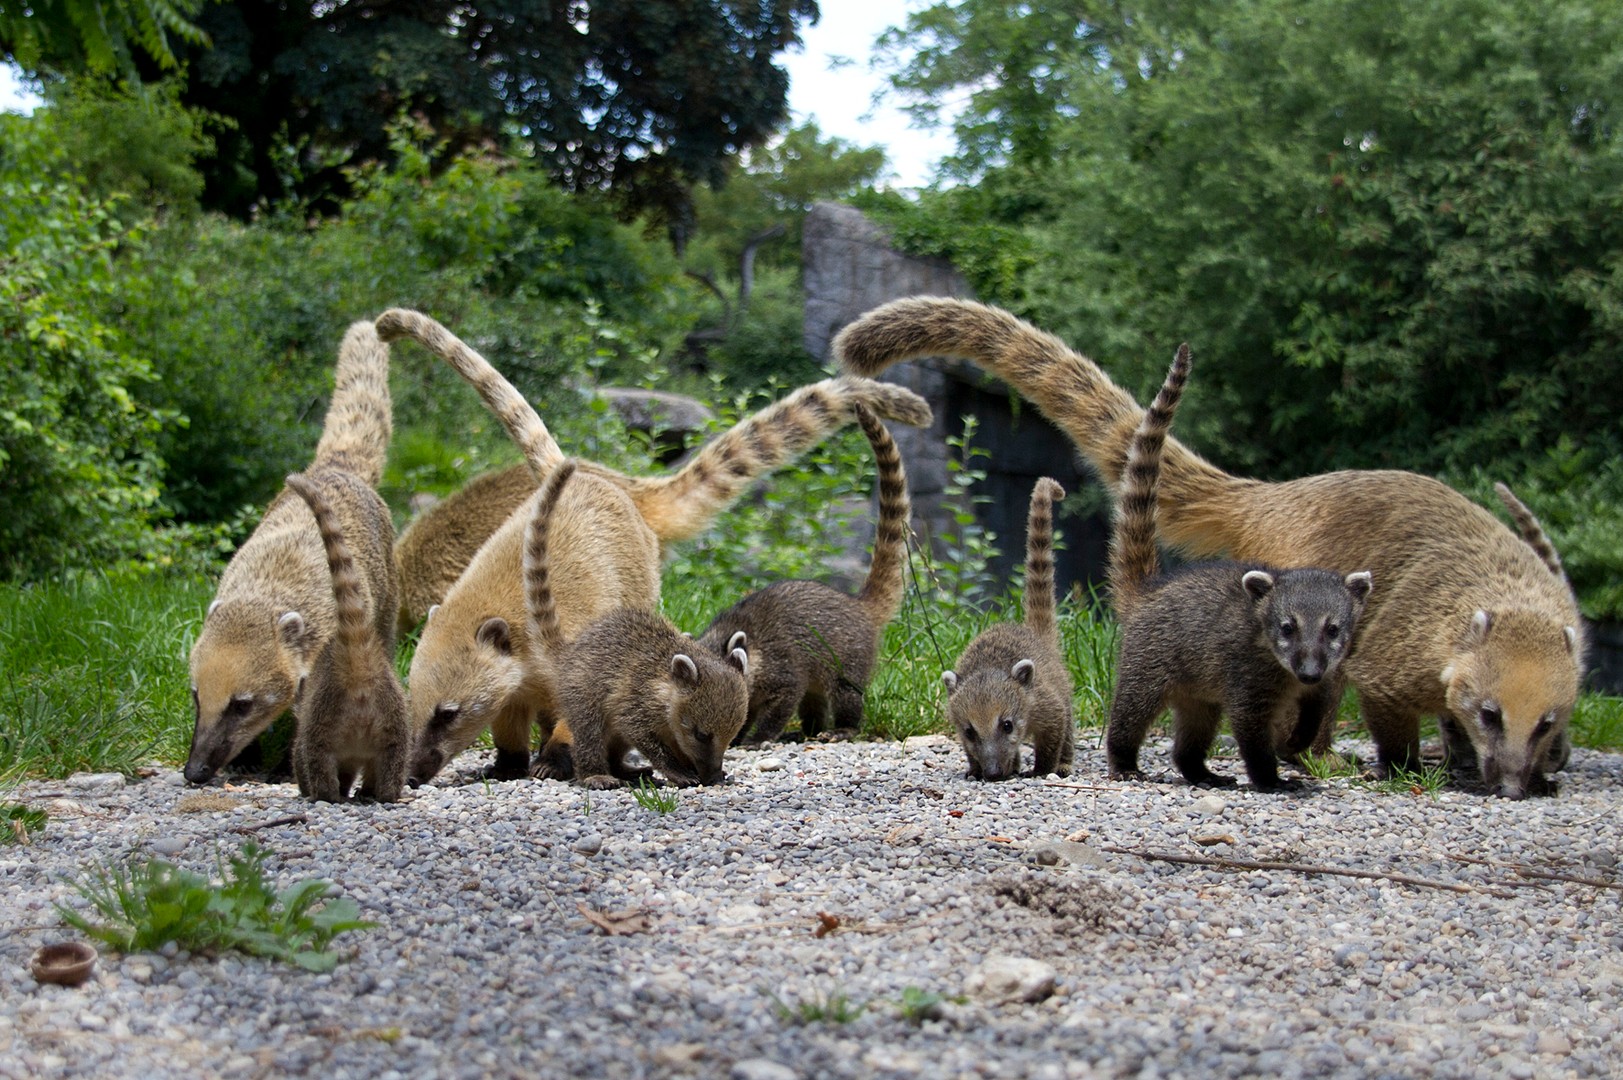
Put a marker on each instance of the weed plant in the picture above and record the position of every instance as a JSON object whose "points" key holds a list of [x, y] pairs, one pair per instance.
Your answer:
{"points": [[660, 800], [832, 1007]]}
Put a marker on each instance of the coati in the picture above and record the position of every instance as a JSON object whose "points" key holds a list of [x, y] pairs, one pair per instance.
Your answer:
{"points": [[631, 678], [811, 647], [1011, 685], [1264, 646], [472, 668], [435, 549], [273, 614], [352, 708], [1467, 622]]}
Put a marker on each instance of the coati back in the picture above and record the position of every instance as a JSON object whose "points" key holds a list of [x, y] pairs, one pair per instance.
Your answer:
{"points": [[273, 614], [1468, 621], [1264, 646], [812, 648], [352, 708], [1011, 685], [633, 679]]}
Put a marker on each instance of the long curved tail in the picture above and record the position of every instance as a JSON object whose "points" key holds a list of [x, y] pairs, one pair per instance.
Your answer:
{"points": [[1040, 598], [881, 594], [1133, 558], [1532, 533], [543, 611], [354, 623], [355, 434], [517, 416]]}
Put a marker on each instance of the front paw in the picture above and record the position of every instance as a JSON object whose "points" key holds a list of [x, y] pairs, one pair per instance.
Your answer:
{"points": [[1279, 784], [602, 782], [509, 765]]}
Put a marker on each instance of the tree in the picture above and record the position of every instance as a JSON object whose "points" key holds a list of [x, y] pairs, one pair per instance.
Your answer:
{"points": [[96, 36]]}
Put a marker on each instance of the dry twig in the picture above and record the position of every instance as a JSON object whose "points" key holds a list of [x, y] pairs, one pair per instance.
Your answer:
{"points": [[1496, 888]]}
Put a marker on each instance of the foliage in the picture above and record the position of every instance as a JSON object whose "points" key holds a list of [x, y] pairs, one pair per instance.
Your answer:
{"points": [[101, 37], [765, 344], [149, 902], [650, 797], [18, 823], [832, 1007]]}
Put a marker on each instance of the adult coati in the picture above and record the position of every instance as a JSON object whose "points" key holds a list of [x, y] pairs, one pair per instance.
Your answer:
{"points": [[811, 647], [352, 708], [631, 679], [1467, 622], [435, 549], [1264, 646], [1011, 685], [273, 614]]}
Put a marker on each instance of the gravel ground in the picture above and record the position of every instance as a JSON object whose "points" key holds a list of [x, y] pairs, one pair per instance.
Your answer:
{"points": [[1052, 955]]}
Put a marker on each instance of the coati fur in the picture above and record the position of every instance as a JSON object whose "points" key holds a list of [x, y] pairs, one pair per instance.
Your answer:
{"points": [[273, 615], [1468, 621], [472, 668], [1011, 685], [631, 679], [352, 708], [1264, 646], [811, 647], [435, 549]]}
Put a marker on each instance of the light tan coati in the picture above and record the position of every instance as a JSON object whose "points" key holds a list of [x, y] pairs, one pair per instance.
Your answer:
{"points": [[472, 669], [352, 708], [438, 546], [631, 679], [1467, 621], [273, 614], [811, 647], [1011, 685], [1263, 645]]}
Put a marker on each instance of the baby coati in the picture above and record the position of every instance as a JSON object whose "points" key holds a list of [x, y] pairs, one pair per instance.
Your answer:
{"points": [[631, 679], [1264, 646], [352, 708], [435, 549], [1011, 685], [812, 648], [1467, 622], [273, 615]]}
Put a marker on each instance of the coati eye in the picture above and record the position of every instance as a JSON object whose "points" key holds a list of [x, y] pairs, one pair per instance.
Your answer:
{"points": [[1007, 725], [1491, 717], [1332, 631], [703, 736], [1542, 728], [238, 707], [1287, 629], [444, 715], [969, 734]]}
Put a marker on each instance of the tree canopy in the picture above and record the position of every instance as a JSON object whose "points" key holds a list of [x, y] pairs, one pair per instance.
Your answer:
{"points": [[103, 37]]}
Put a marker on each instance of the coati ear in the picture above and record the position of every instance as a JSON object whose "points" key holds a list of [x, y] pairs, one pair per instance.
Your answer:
{"points": [[683, 669], [212, 608], [739, 640], [1259, 583], [1022, 672], [740, 660], [495, 632], [1572, 638], [431, 609], [949, 679], [1481, 625], [1359, 584], [291, 628]]}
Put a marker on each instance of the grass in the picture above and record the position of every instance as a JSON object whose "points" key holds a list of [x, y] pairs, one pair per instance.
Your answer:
{"points": [[832, 1007], [18, 823], [659, 800]]}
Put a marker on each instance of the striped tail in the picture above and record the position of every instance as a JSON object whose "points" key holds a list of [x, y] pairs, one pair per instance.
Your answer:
{"points": [[881, 595], [509, 406], [1532, 533], [354, 624], [355, 434], [1040, 599], [544, 627], [1133, 558]]}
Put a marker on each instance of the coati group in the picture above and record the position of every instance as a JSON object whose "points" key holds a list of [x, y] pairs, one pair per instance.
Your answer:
{"points": [[537, 589]]}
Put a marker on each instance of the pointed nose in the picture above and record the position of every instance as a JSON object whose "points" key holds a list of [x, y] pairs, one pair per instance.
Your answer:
{"points": [[1514, 792], [198, 773]]}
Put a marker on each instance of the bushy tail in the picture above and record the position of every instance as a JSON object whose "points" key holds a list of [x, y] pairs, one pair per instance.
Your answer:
{"points": [[543, 611], [881, 595], [1066, 387], [1133, 558], [682, 505], [509, 406], [354, 624], [1040, 599], [355, 435], [1532, 533]]}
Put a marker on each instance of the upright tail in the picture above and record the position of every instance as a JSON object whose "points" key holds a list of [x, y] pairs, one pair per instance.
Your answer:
{"points": [[683, 505], [1532, 533], [881, 595], [509, 406], [1133, 558], [355, 435], [543, 611], [1040, 599], [354, 624]]}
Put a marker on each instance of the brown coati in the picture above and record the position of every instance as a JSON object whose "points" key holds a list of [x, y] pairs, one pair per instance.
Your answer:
{"points": [[631, 679], [1264, 646], [273, 614], [473, 666], [1467, 621], [1011, 685], [811, 647], [352, 708], [435, 549]]}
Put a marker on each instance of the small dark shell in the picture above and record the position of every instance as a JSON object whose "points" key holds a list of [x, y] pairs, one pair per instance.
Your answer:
{"points": [[66, 962]]}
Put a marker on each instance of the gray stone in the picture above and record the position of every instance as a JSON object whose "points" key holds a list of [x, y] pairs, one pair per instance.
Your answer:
{"points": [[761, 1069], [1003, 980]]}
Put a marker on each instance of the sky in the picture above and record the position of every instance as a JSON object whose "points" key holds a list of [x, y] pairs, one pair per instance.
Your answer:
{"points": [[839, 99]]}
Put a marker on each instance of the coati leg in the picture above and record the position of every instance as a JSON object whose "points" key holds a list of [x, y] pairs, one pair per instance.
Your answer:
{"points": [[631, 774], [590, 729], [510, 731], [846, 703], [1396, 732], [1054, 755], [554, 761], [385, 775], [1460, 754], [316, 770], [770, 710], [1194, 727], [1137, 703], [1254, 732], [1315, 720]]}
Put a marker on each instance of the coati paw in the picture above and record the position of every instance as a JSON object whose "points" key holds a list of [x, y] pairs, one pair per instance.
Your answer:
{"points": [[600, 783], [509, 765], [1213, 780], [1280, 785], [1128, 774]]}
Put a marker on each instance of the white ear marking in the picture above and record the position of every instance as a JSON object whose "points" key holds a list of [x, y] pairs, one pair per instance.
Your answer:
{"points": [[1481, 624], [683, 667], [290, 627], [431, 609], [740, 660], [1022, 672], [1258, 583], [1448, 675], [739, 640], [949, 679], [1571, 634], [212, 608], [1359, 584]]}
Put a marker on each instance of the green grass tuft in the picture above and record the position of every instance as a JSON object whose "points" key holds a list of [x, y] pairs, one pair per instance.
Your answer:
{"points": [[834, 1007], [650, 797]]}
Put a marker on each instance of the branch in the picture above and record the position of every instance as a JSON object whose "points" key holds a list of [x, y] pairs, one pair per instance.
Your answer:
{"points": [[1493, 889]]}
